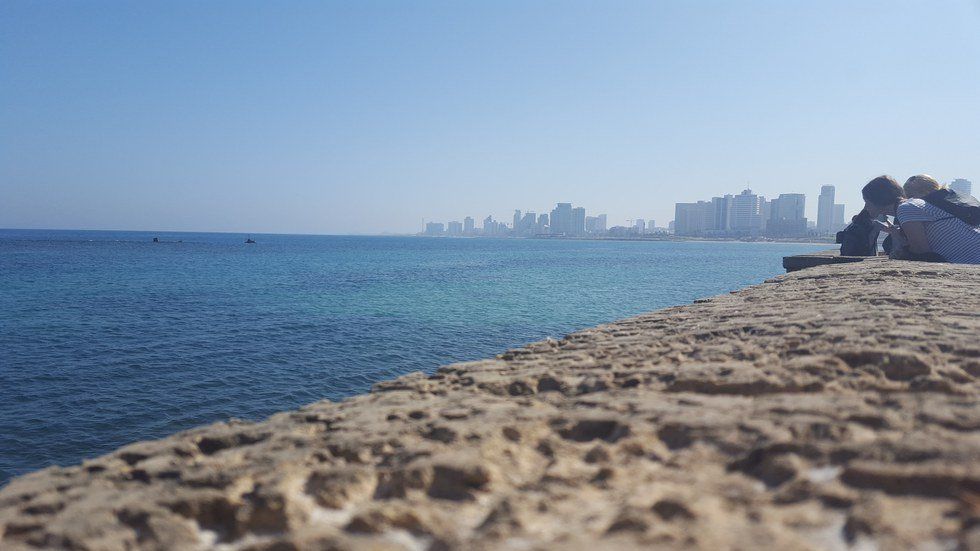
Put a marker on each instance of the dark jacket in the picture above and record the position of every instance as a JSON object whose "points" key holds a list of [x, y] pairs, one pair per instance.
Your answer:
{"points": [[860, 237]]}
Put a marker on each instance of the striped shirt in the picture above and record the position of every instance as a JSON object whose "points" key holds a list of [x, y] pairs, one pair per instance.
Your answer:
{"points": [[947, 235]]}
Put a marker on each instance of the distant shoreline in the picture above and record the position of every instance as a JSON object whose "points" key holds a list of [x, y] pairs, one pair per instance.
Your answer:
{"points": [[816, 241], [788, 241]]}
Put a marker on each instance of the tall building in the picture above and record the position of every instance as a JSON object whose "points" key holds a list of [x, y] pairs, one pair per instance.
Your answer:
{"points": [[600, 223], [825, 209], [455, 228], [578, 221], [590, 222], [788, 216], [517, 222], [839, 221], [489, 226], [692, 218], [542, 223], [468, 225], [685, 219], [961, 186], [561, 219], [747, 212], [765, 209], [790, 206], [640, 225], [721, 214], [434, 228], [528, 224]]}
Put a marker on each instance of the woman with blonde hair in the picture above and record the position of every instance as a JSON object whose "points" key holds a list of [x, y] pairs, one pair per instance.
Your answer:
{"points": [[917, 187], [930, 232]]}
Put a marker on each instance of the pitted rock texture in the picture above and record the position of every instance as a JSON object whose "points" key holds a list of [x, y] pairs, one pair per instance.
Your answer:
{"points": [[832, 408]]}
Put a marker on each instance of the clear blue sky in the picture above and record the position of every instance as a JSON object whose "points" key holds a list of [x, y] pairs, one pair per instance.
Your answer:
{"points": [[363, 117]]}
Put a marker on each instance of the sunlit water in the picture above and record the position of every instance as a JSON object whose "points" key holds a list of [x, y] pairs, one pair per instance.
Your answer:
{"points": [[108, 338]]}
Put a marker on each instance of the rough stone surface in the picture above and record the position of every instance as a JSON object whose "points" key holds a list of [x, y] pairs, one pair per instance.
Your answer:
{"points": [[832, 408]]}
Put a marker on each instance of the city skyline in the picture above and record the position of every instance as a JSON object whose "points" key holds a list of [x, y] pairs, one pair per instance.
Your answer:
{"points": [[728, 215], [329, 117]]}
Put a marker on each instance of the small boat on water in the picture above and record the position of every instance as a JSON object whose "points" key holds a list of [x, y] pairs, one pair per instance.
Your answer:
{"points": [[249, 240]]}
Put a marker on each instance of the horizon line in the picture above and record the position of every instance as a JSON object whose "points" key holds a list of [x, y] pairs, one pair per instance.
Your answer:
{"points": [[383, 234]]}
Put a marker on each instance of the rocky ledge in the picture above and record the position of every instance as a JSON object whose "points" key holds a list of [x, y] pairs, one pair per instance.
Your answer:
{"points": [[836, 407]]}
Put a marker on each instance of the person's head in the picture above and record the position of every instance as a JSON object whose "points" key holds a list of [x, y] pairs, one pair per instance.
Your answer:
{"points": [[920, 185], [881, 196]]}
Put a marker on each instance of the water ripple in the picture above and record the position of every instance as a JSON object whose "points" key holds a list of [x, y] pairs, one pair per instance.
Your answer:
{"points": [[106, 338]]}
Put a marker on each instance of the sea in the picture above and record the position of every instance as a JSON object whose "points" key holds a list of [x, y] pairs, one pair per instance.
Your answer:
{"points": [[108, 337]]}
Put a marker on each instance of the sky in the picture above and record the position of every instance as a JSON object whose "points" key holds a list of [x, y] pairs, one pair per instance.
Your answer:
{"points": [[370, 117]]}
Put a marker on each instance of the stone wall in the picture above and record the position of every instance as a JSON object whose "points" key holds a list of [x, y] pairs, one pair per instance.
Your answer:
{"points": [[831, 408]]}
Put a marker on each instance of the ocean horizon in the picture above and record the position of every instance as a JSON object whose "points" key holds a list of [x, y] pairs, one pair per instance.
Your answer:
{"points": [[109, 338]]}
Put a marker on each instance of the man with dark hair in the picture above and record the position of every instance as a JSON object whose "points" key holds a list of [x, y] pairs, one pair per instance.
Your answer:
{"points": [[882, 196]]}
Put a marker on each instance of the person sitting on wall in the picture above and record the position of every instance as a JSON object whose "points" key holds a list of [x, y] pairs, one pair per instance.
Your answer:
{"points": [[860, 237], [881, 196], [959, 205], [924, 231]]}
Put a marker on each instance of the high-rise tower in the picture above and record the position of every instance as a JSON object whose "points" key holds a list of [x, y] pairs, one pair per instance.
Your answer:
{"points": [[961, 186], [825, 209], [561, 219]]}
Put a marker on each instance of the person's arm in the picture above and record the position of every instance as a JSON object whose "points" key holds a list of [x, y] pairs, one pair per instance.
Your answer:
{"points": [[915, 234], [886, 226]]}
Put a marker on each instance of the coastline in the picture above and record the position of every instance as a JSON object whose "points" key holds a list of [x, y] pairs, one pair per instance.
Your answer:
{"points": [[776, 413], [781, 241], [648, 239], [813, 241]]}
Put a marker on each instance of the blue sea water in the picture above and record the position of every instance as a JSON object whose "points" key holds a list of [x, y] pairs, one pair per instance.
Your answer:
{"points": [[107, 338]]}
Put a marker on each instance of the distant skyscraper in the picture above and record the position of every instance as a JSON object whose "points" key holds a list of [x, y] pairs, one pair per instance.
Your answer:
{"points": [[489, 226], [825, 209], [790, 206], [600, 223], [765, 210], [692, 218], [561, 219], [578, 221], [746, 212], [961, 186], [721, 214], [455, 228], [542, 223], [682, 218], [788, 216], [590, 222], [640, 225], [434, 228], [517, 221], [839, 222], [528, 224], [468, 225]]}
